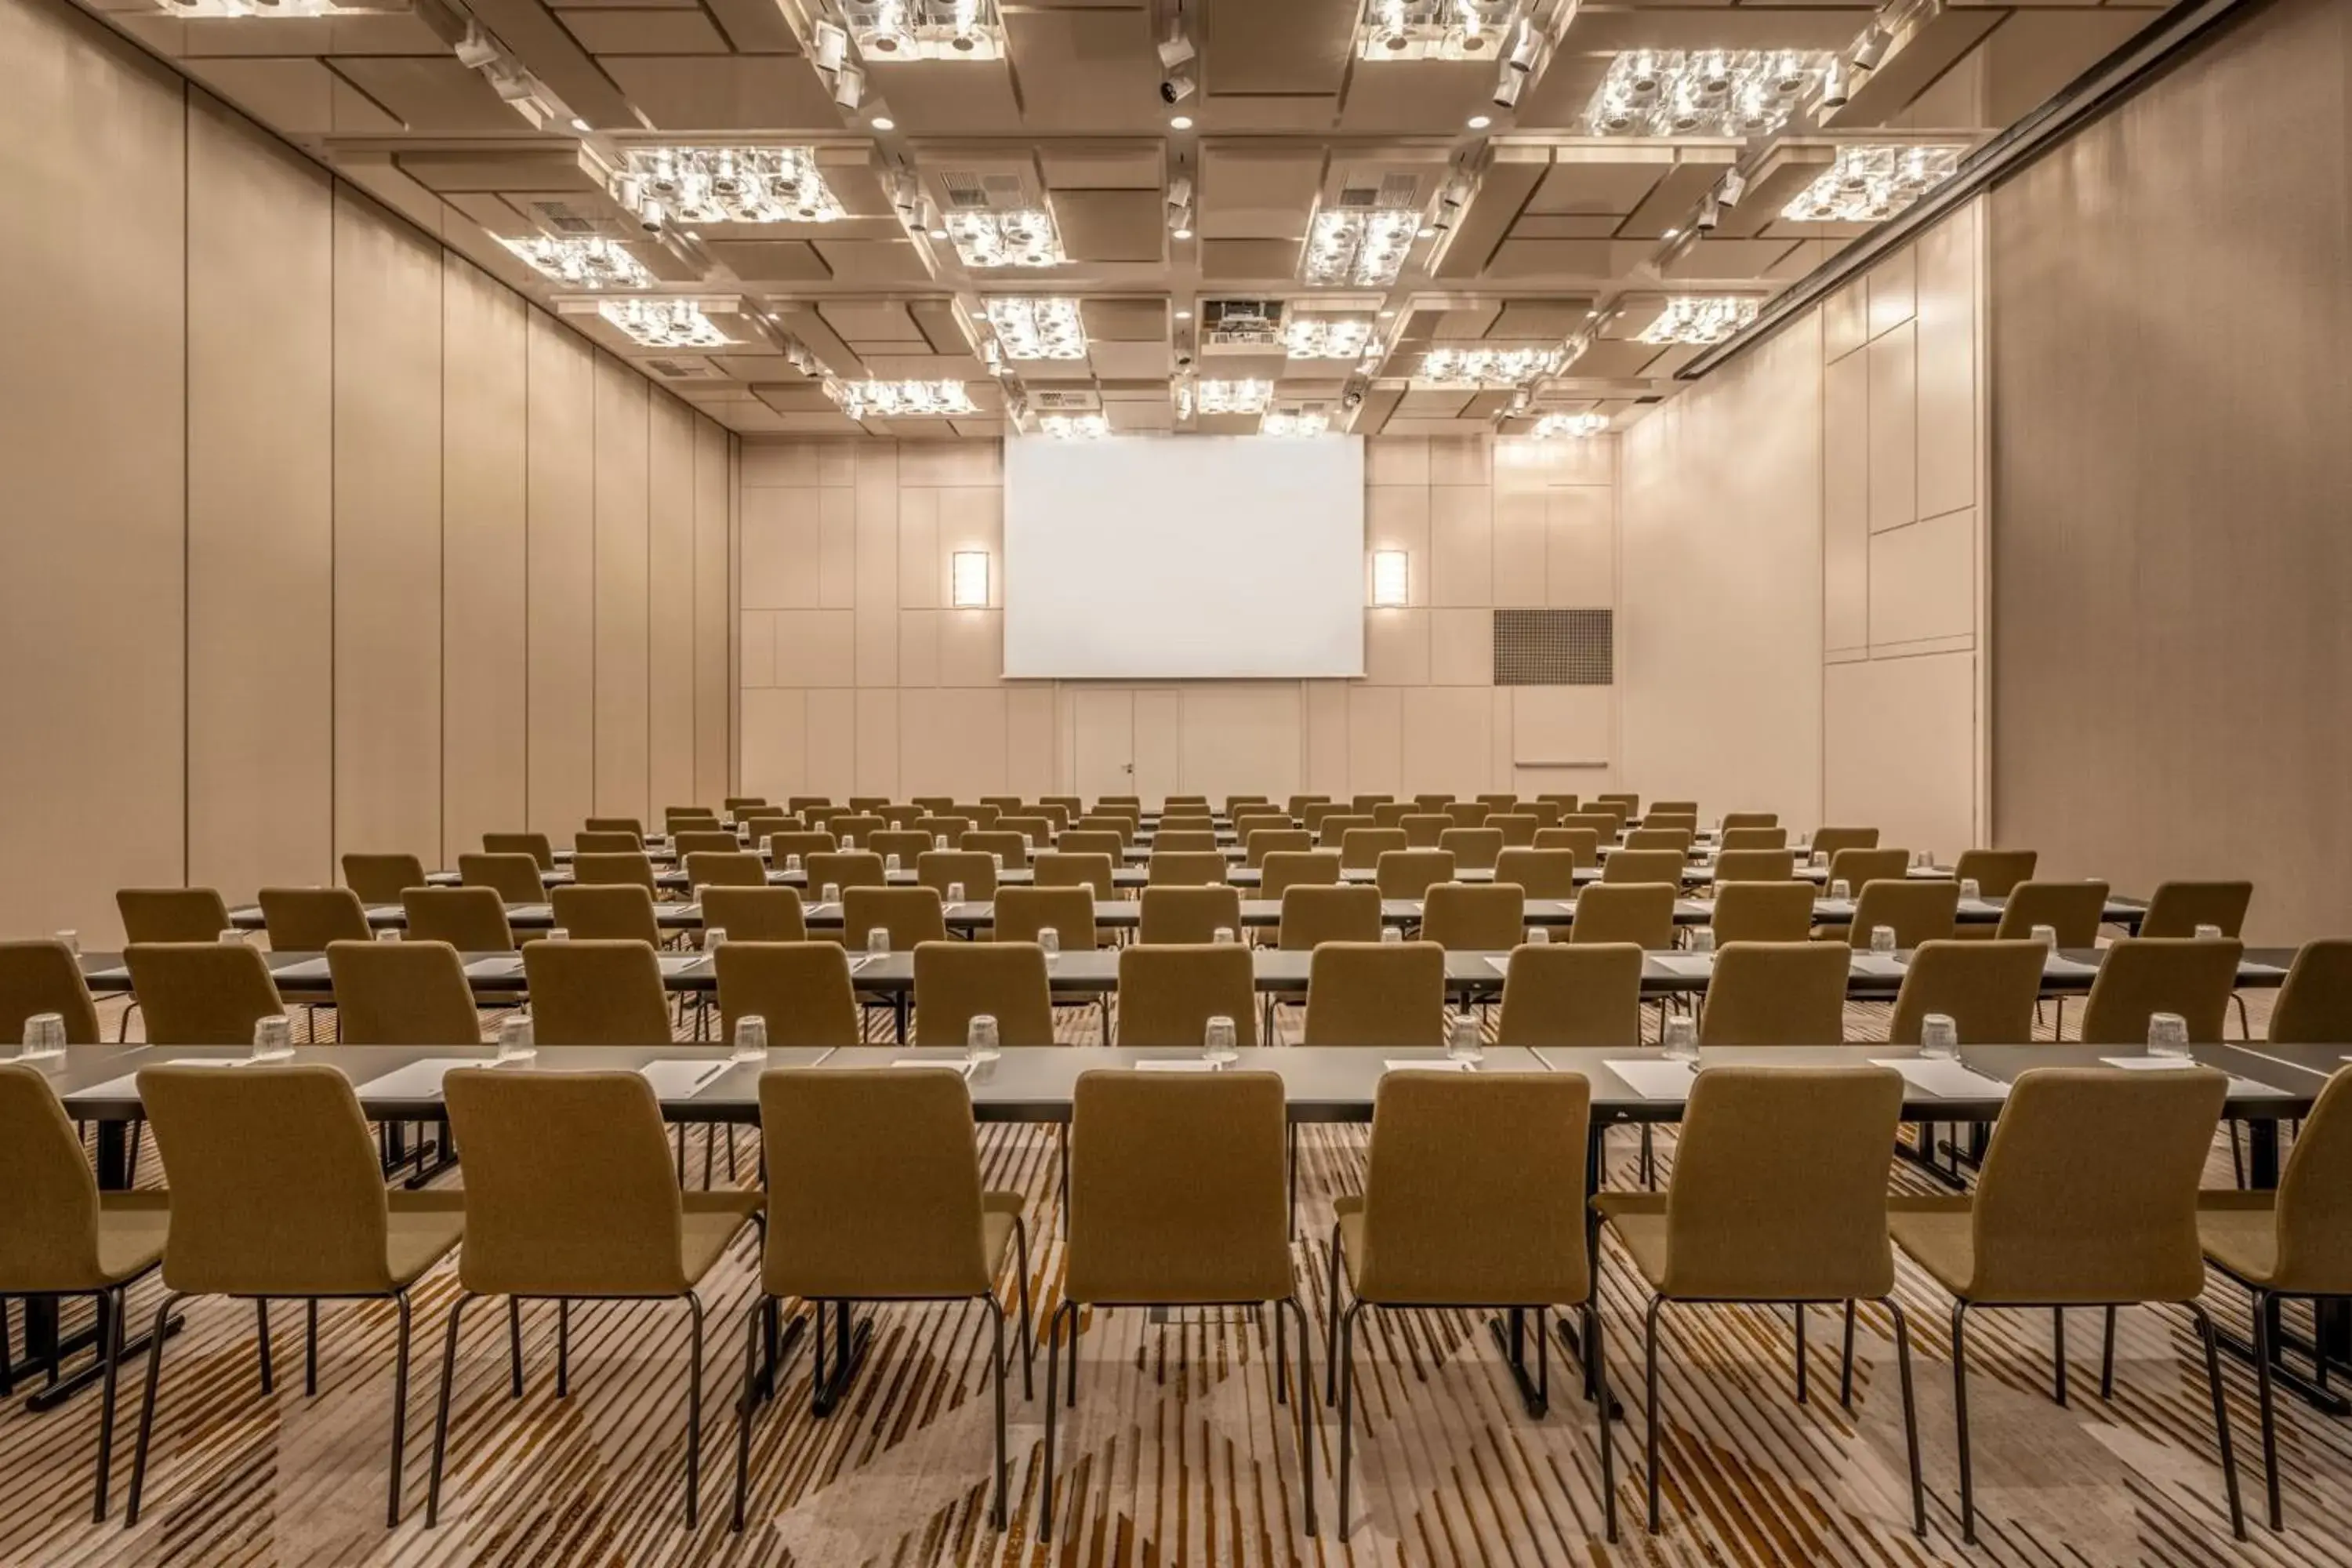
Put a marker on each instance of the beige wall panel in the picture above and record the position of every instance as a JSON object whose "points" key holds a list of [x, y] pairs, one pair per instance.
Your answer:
{"points": [[948, 463], [623, 655], [1396, 460], [714, 620], [1580, 542], [1845, 504], [817, 647], [775, 742], [1327, 738], [951, 742], [1562, 729], [1947, 369], [833, 737], [1521, 459], [972, 518], [1521, 527], [1894, 429], [1029, 733], [836, 550], [1159, 740], [1922, 581], [387, 595], [561, 611], [875, 475], [919, 647], [1375, 741], [1242, 738], [1396, 648], [1900, 753], [875, 770], [759, 648], [783, 534], [772, 465], [1461, 647], [1461, 543], [261, 490], [91, 566], [485, 714], [1846, 319], [1458, 460], [670, 605], [922, 571], [1448, 739], [1396, 517], [1893, 291], [971, 648]]}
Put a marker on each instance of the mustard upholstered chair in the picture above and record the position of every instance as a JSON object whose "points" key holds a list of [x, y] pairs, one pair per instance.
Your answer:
{"points": [[846, 869], [1518, 828], [911, 916], [1539, 873], [1185, 867], [1661, 866], [1758, 837], [1776, 994], [688, 842], [801, 842], [1333, 830], [1735, 820], [1315, 914], [202, 992], [755, 914], [2315, 1006], [1067, 911], [1827, 842], [1677, 839], [1762, 911], [727, 869], [1265, 841], [1284, 870], [1581, 842], [607, 841], [1360, 848], [902, 844], [1184, 840], [1410, 873], [402, 994], [538, 845], [1640, 913], [1067, 869], [1376, 993], [2178, 909], [1757, 866], [800, 988], [1168, 993], [305, 920], [595, 994], [2072, 909], [381, 878], [1188, 915], [1474, 917], [516, 878], [1995, 871], [1573, 994], [1857, 868], [1917, 908], [956, 981], [1468, 812], [172, 914], [944, 868], [1986, 988], [632, 868], [611, 912], [43, 976], [471, 920], [1001, 850], [2141, 976], [1421, 828], [1473, 848]]}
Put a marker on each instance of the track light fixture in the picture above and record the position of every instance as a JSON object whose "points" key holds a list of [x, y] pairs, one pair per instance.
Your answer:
{"points": [[1524, 51], [1872, 46], [1710, 213], [1506, 89], [1176, 87], [1176, 49], [832, 46], [1179, 191], [1837, 85], [1733, 186], [848, 87]]}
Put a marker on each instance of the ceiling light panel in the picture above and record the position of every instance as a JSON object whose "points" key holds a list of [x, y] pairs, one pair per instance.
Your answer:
{"points": [[726, 184], [1702, 92], [664, 323], [901, 399], [1867, 184], [1030, 327], [1570, 426], [1435, 29], [1353, 246], [590, 263], [230, 9], [1234, 396], [926, 29], [1023, 237], [1700, 319], [1489, 367], [1075, 426], [1327, 337], [1291, 421]]}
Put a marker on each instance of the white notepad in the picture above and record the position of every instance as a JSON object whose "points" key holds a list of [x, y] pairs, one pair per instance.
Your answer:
{"points": [[1175, 1064], [127, 1086], [963, 1068], [681, 1080], [1944, 1080], [308, 969], [1433, 1064], [1689, 966], [2240, 1088], [1879, 966], [501, 968], [2056, 968], [682, 962], [418, 1080], [1655, 1079], [1500, 963]]}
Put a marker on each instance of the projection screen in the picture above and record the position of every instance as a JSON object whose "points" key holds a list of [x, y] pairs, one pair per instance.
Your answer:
{"points": [[1195, 557]]}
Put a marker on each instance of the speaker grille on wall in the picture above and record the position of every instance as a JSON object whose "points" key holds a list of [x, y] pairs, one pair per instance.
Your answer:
{"points": [[1555, 648]]}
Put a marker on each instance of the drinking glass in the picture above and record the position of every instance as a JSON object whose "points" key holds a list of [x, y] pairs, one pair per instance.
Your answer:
{"points": [[829, 894], [70, 941], [1680, 1038], [878, 943], [1702, 939], [1222, 936], [2208, 933], [1971, 889], [515, 1041], [890, 864], [2168, 1034], [388, 933], [1881, 939], [1841, 889], [1051, 940], [2046, 935], [1539, 936], [1217, 1042], [979, 1042], [1463, 1041], [1939, 1036], [273, 1037], [751, 1039], [1392, 934], [45, 1035]]}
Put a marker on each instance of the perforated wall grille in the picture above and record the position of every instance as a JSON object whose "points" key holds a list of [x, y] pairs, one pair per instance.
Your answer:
{"points": [[1555, 648]]}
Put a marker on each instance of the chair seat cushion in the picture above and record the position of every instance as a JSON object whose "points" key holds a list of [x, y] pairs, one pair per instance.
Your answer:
{"points": [[1640, 1221], [1939, 1234], [420, 1230], [130, 1231], [2240, 1232], [711, 1221]]}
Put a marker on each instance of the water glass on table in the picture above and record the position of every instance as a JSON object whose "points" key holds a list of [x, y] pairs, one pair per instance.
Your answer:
{"points": [[1679, 1039], [980, 1038]]}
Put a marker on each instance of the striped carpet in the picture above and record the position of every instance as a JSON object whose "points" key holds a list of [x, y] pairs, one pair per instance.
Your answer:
{"points": [[1176, 1451]]}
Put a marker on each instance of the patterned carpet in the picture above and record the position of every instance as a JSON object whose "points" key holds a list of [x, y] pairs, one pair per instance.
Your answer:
{"points": [[1177, 1452]]}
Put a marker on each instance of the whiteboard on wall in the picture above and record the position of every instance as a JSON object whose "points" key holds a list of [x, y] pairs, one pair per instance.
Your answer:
{"points": [[1183, 557]]}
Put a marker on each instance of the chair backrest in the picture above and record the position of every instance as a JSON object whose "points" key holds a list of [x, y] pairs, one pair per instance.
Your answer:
{"points": [[538, 845], [802, 988], [874, 1185], [2072, 909], [1036, 829], [1671, 808], [738, 803], [755, 914], [934, 804], [1476, 917], [43, 976], [979, 813], [1563, 799], [595, 994], [1376, 993], [1473, 848], [999, 847], [1185, 867], [1630, 801], [1735, 821], [2089, 1191], [568, 1186], [402, 994], [1995, 871], [1120, 827], [1110, 845], [845, 868], [50, 1242], [951, 828], [956, 981], [615, 825], [202, 992], [801, 842], [1073, 868], [2315, 1006], [1671, 822], [305, 920], [911, 916], [1651, 836], [732, 868], [688, 834], [172, 914], [2143, 975], [515, 879], [1186, 840], [1986, 989], [1573, 994], [1859, 867], [1828, 841], [1189, 914], [1518, 828], [1469, 812], [1776, 994], [276, 1185], [1474, 1190], [1003, 805], [1021, 912], [470, 920], [1606, 824], [633, 868], [1920, 908], [799, 804], [381, 878], [1260, 842], [1314, 913], [1664, 865], [1583, 843], [1757, 866], [1284, 870], [1367, 804], [1410, 873], [1298, 804], [1432, 800], [1778, 1189], [2314, 1196], [1392, 812], [616, 911], [897, 816], [1177, 1189], [1640, 913], [1421, 827], [1360, 848], [944, 868], [1742, 839], [1331, 833], [1168, 993], [592, 841], [2178, 909], [1546, 813], [859, 826], [1539, 873], [1762, 911]]}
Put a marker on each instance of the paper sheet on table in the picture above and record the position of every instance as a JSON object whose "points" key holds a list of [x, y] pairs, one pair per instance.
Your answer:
{"points": [[2056, 968], [526, 913], [127, 1086], [1833, 907], [683, 963], [1500, 963], [963, 1068], [418, 1080], [680, 1079], [1429, 1064], [1655, 1079], [1689, 966], [1879, 966], [501, 968], [1944, 1080], [308, 969], [2262, 969], [1175, 1064], [1980, 907], [2240, 1088]]}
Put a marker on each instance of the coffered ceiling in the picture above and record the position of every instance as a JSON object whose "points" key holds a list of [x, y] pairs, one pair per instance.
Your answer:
{"points": [[1205, 244]]}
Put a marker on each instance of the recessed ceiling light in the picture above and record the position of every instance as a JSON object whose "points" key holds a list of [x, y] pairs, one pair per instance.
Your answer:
{"points": [[1673, 234], [1181, 123], [1480, 122], [938, 233], [580, 125], [884, 122], [1386, 314], [1183, 233], [1183, 315], [1426, 231]]}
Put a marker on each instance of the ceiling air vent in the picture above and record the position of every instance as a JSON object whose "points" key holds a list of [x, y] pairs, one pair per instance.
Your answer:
{"points": [[1045, 400], [969, 191], [695, 369], [562, 218], [1391, 188], [1251, 325], [1555, 648]]}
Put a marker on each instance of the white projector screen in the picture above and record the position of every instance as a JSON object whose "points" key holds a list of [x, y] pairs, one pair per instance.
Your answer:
{"points": [[1206, 557]]}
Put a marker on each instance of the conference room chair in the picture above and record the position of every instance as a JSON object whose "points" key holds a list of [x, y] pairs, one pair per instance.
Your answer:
{"points": [[277, 1193], [170, 914], [1300, 804], [802, 805], [470, 920], [1671, 808], [803, 842], [1002, 850], [1391, 814], [1734, 840], [1468, 812], [1666, 866], [1314, 913], [1474, 917], [1474, 1197], [1918, 910], [1234, 801], [1736, 821], [1640, 913], [538, 845], [1105, 842], [2141, 976], [202, 992], [2178, 909], [515, 879], [821, 818], [613, 911], [593, 842], [1257, 819], [1130, 805], [704, 841], [616, 824], [1565, 800], [1473, 848], [305, 920], [1316, 813], [1858, 868], [904, 842], [857, 828], [1188, 819], [737, 803], [934, 804], [1762, 911], [1546, 813], [1410, 873], [1433, 800], [1828, 841], [1776, 994], [956, 981], [595, 994], [1189, 914], [2072, 909], [1170, 801], [842, 868], [1615, 811], [555, 1158], [980, 816], [1496, 802], [1177, 1199], [1603, 826], [410, 993], [1759, 865], [1058, 810], [2086, 1197], [1517, 828], [1777, 1196], [1333, 831], [1626, 798], [1185, 867], [1073, 868], [1067, 911], [1036, 830], [1584, 843], [800, 988], [898, 815], [1539, 873], [751, 816], [730, 868], [381, 878], [755, 914], [1070, 803], [1995, 871], [1572, 995], [1096, 826], [1664, 822], [945, 869], [1261, 842], [910, 915], [1168, 993], [38, 977], [1187, 840], [1365, 804], [2315, 1005], [1002, 805], [1986, 988], [1677, 839], [675, 814], [1375, 993], [633, 868], [66, 1239]]}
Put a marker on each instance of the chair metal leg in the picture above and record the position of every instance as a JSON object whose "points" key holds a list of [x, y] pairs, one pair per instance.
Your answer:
{"points": [[2107, 1356], [694, 1412], [1028, 1335], [996, 1517], [514, 1347], [1281, 1356], [1597, 1367], [1650, 1401], [1053, 1378], [1800, 1353], [2221, 1417], [563, 1348], [147, 1404], [399, 1409], [1960, 1415], [1910, 1418], [1845, 1361], [2058, 1353], [310, 1348], [1331, 1328], [7, 1355], [2263, 1403], [441, 1414], [262, 1324], [754, 1338], [1305, 1406], [1347, 1376], [111, 1304]]}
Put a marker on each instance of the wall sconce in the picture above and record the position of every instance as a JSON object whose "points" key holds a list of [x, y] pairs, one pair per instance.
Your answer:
{"points": [[1389, 577], [969, 581]]}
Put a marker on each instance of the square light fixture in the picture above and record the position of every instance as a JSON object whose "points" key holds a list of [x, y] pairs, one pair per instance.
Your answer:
{"points": [[1023, 236], [968, 580], [1868, 185], [1572, 426], [589, 263], [1074, 426], [1327, 337], [1358, 247], [1284, 422], [1702, 92], [1034, 328], [901, 399], [1390, 581], [1234, 396], [888, 30], [1489, 367], [1435, 29], [664, 323], [1701, 319], [726, 184]]}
